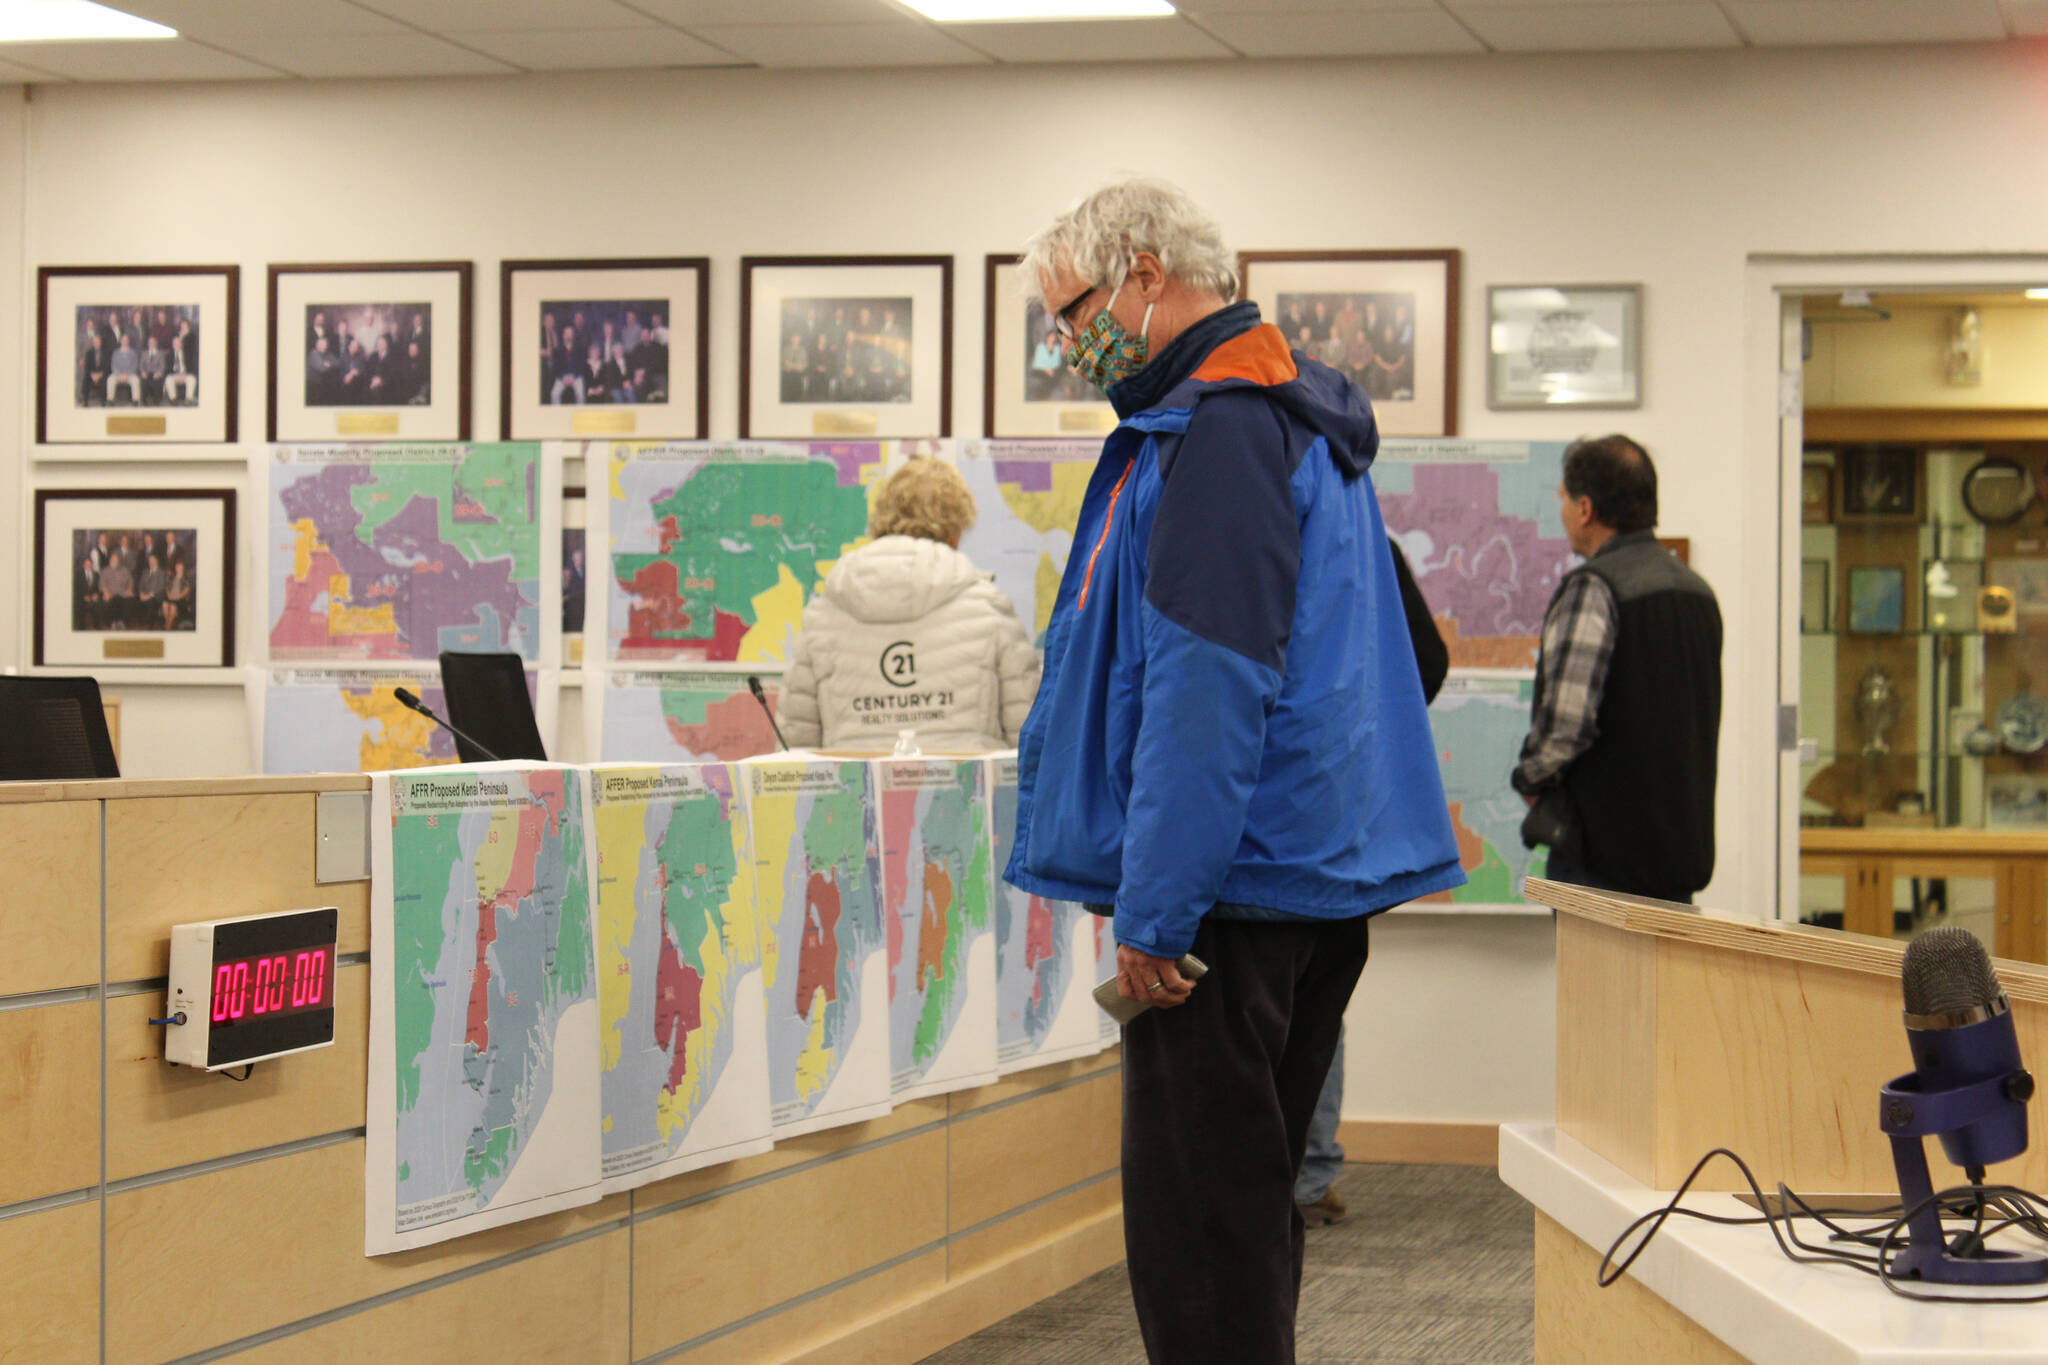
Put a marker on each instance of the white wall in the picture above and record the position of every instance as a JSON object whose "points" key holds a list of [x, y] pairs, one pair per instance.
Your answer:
{"points": [[1665, 169]]}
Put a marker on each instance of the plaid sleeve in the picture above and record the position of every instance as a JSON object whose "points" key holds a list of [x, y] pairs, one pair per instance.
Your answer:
{"points": [[1571, 673]]}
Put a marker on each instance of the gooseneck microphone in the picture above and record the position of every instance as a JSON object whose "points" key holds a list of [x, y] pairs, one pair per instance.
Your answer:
{"points": [[1967, 1087], [413, 703], [754, 686]]}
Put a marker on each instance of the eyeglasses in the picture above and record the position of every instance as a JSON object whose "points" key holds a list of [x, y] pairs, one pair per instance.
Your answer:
{"points": [[1063, 320]]}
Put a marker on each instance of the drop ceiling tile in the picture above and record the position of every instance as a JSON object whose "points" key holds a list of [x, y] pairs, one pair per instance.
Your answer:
{"points": [[1406, 32], [1598, 28], [212, 19], [26, 75], [401, 54], [170, 59], [693, 14], [1814, 23], [1091, 40], [2026, 18], [1202, 9], [445, 16], [903, 43], [596, 50]]}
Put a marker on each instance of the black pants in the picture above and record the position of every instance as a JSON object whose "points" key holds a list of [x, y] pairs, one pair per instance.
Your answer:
{"points": [[1218, 1093]]}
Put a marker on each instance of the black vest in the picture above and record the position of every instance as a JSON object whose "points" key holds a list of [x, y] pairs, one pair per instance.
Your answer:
{"points": [[1644, 793]]}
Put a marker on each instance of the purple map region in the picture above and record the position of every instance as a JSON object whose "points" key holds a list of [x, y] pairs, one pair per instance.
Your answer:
{"points": [[1030, 476], [1486, 573], [851, 458]]}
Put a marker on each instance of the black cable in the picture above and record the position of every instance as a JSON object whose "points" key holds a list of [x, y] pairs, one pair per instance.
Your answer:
{"points": [[247, 1072]]}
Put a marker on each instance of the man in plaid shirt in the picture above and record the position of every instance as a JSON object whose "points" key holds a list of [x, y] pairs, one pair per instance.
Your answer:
{"points": [[1619, 764]]}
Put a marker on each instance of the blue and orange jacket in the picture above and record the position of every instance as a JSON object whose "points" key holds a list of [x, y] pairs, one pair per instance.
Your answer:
{"points": [[1230, 712]]}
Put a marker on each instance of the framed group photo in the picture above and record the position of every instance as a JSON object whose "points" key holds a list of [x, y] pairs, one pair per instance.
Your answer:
{"points": [[1027, 389], [1388, 320], [377, 352], [1564, 346], [604, 348], [135, 356], [134, 578], [846, 346]]}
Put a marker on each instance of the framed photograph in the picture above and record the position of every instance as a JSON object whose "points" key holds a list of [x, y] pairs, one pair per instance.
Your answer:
{"points": [[1813, 596], [2016, 801], [1880, 483], [604, 348], [1387, 319], [846, 346], [136, 356], [134, 578], [1877, 599], [1027, 389], [375, 352], [1950, 601], [1564, 346], [2027, 581], [1816, 491]]}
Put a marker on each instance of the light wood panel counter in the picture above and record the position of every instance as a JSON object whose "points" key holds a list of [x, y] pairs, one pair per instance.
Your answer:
{"points": [[1868, 860], [127, 1185]]}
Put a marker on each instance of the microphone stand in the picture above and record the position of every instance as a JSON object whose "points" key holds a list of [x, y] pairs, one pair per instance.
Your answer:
{"points": [[754, 686], [413, 703]]}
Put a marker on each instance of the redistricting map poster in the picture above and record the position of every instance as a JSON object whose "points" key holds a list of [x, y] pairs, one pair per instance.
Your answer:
{"points": [[938, 885], [684, 715], [1045, 955], [339, 720], [824, 964], [1028, 494], [484, 1065], [683, 1021], [715, 547], [398, 552]]}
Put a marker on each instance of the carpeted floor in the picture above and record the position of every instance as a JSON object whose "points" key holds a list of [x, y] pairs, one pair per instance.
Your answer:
{"points": [[1435, 1263]]}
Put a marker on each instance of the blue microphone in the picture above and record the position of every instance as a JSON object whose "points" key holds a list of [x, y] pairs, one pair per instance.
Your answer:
{"points": [[1967, 1087]]}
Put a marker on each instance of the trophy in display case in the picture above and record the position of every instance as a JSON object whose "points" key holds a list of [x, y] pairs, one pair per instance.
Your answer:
{"points": [[1877, 705]]}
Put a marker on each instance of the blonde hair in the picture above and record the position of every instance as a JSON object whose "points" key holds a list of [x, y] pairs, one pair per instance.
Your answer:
{"points": [[926, 498]]}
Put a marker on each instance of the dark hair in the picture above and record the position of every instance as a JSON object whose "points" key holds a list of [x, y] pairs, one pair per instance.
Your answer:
{"points": [[1616, 474]]}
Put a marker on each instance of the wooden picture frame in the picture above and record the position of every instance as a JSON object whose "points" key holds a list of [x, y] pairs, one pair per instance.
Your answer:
{"points": [[875, 367], [1410, 368], [188, 318], [95, 605], [658, 310], [1027, 390], [1564, 346], [393, 394], [1878, 483]]}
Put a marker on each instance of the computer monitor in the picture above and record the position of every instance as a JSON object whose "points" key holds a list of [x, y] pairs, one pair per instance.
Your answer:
{"points": [[53, 730], [488, 701]]}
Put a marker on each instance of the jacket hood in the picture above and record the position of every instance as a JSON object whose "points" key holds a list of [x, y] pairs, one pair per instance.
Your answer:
{"points": [[1314, 394], [898, 578]]}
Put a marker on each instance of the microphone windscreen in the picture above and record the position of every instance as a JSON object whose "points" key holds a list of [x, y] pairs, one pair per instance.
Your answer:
{"points": [[406, 698], [1947, 971]]}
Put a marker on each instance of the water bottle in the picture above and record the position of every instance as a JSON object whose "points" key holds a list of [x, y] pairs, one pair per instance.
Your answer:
{"points": [[906, 745]]}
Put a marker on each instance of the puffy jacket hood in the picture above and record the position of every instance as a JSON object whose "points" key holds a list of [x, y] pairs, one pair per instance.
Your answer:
{"points": [[899, 578], [1333, 407]]}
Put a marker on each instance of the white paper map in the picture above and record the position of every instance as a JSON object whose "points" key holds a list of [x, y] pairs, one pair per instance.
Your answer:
{"points": [[684, 715], [1028, 495], [483, 1076], [1479, 722], [1045, 956], [937, 889], [683, 1022], [824, 965], [342, 720]]}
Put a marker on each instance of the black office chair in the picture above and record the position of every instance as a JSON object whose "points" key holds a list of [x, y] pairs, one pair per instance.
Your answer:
{"points": [[487, 700], [53, 730]]}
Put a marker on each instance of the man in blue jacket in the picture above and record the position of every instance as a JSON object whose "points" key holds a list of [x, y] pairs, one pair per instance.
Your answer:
{"points": [[1229, 751]]}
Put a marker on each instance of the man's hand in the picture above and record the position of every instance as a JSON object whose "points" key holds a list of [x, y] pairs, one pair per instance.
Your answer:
{"points": [[1156, 980]]}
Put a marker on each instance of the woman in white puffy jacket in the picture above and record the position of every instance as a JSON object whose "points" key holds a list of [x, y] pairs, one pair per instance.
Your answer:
{"points": [[907, 634]]}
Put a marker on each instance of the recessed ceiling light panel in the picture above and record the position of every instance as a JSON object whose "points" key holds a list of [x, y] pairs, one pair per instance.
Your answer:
{"points": [[1013, 11], [58, 21]]}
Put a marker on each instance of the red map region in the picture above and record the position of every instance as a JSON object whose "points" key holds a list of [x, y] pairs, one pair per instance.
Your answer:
{"points": [[731, 730], [1038, 944], [1471, 848], [817, 957], [479, 1032], [657, 621], [899, 818], [931, 934], [678, 1009], [519, 884]]}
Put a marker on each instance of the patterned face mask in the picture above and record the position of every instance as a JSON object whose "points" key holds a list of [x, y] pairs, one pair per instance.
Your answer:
{"points": [[1105, 354]]}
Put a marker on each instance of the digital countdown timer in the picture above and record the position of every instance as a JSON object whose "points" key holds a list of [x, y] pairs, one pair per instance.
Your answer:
{"points": [[252, 988]]}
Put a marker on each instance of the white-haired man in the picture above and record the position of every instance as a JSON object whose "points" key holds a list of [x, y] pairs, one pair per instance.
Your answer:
{"points": [[1229, 750]]}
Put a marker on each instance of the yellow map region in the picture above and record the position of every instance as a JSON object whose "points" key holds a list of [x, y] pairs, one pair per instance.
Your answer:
{"points": [[401, 737], [815, 1065], [305, 540], [621, 838], [494, 856], [1055, 509]]}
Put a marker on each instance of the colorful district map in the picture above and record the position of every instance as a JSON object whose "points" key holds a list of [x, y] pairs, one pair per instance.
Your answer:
{"points": [[1479, 723], [682, 1021], [1045, 956], [402, 551], [484, 1040], [715, 547], [340, 720], [685, 716], [818, 875], [937, 888], [1478, 522], [1028, 494]]}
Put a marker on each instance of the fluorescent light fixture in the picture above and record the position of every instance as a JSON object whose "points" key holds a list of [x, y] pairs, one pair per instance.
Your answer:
{"points": [[2037, 293], [58, 21], [993, 11]]}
